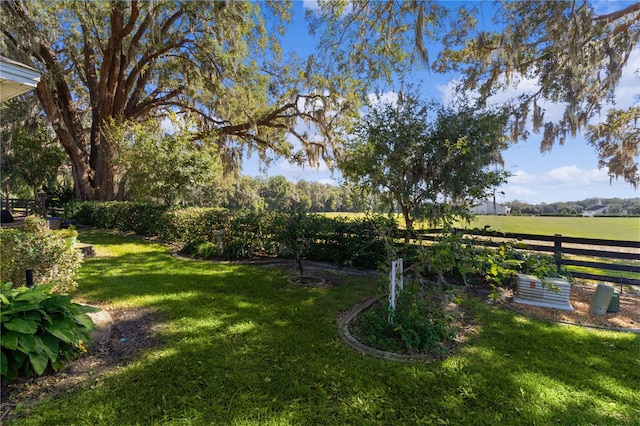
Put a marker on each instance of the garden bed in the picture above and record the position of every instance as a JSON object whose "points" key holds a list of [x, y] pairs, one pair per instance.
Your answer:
{"points": [[628, 318]]}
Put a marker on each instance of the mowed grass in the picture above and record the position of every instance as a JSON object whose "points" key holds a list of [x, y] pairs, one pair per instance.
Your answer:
{"points": [[241, 346], [606, 228]]}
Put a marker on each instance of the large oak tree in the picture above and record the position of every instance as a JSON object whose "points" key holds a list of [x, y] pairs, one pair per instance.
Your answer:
{"points": [[218, 62]]}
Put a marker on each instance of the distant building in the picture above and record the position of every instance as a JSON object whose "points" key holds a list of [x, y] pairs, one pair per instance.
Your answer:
{"points": [[488, 207], [597, 210]]}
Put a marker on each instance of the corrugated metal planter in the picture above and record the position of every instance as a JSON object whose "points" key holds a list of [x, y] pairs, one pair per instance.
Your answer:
{"points": [[554, 293]]}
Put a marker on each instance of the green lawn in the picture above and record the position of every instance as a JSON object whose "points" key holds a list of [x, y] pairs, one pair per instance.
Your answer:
{"points": [[606, 228], [243, 346]]}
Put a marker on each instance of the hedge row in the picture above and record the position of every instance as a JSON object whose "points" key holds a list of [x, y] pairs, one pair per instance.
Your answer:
{"points": [[247, 233]]}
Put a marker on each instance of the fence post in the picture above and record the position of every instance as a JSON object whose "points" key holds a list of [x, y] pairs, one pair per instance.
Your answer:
{"points": [[557, 251]]}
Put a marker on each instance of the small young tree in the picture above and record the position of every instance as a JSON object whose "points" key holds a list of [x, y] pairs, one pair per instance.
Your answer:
{"points": [[430, 164], [296, 232]]}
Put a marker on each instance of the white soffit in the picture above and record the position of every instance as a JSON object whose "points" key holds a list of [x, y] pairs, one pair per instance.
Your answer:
{"points": [[16, 78]]}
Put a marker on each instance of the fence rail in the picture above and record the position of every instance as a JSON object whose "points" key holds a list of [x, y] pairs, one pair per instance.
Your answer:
{"points": [[563, 246], [18, 205]]}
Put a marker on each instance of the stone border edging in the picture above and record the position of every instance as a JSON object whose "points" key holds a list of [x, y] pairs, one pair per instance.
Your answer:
{"points": [[103, 322], [349, 340]]}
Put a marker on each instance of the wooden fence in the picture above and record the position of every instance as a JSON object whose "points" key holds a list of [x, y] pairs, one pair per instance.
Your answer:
{"points": [[22, 206], [563, 248]]}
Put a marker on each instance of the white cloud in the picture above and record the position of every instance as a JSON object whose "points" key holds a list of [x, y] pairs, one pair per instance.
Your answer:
{"points": [[573, 176], [310, 4], [385, 98], [515, 192], [168, 126], [521, 177]]}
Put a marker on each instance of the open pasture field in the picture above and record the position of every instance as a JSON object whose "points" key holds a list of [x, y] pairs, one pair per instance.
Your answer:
{"points": [[605, 228]]}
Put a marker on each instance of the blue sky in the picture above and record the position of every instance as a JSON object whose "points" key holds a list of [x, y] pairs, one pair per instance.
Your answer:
{"points": [[566, 173]]}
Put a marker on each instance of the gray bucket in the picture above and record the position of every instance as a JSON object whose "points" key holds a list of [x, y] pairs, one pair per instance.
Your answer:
{"points": [[601, 300]]}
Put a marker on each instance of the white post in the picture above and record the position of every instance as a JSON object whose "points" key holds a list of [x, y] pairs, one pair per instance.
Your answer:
{"points": [[396, 285], [392, 286]]}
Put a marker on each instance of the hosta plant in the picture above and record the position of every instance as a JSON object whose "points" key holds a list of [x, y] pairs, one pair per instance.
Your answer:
{"points": [[40, 329]]}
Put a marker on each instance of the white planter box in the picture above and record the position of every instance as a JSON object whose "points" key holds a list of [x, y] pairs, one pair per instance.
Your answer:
{"points": [[530, 291]]}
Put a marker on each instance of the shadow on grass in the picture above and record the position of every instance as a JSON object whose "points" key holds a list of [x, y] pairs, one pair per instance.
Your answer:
{"points": [[244, 346]]}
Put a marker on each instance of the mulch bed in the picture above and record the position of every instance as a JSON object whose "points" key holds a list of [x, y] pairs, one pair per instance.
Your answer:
{"points": [[581, 296]]}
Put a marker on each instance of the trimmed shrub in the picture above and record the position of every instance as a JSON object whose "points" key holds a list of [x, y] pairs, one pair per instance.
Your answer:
{"points": [[141, 218], [341, 241], [51, 258], [357, 243], [40, 330], [193, 222]]}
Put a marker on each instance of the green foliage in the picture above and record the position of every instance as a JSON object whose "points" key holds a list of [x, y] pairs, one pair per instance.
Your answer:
{"points": [[215, 69], [30, 156], [252, 231], [339, 240], [594, 56], [158, 166], [193, 222], [141, 218], [35, 224], [40, 329], [50, 257], [295, 234], [618, 143], [207, 250], [419, 323], [237, 250], [417, 163]]}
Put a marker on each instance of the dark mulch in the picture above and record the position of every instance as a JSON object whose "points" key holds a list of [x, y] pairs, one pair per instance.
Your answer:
{"points": [[133, 330]]}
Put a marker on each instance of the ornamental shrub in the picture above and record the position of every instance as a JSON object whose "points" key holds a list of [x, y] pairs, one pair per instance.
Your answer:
{"points": [[39, 329], [51, 258]]}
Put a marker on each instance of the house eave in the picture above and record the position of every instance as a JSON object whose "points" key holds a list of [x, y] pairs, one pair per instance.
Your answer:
{"points": [[16, 78]]}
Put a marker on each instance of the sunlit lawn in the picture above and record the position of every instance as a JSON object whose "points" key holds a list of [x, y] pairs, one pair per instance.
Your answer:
{"points": [[243, 346], [606, 228]]}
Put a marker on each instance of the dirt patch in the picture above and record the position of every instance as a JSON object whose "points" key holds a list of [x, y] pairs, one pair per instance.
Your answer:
{"points": [[132, 331], [581, 296]]}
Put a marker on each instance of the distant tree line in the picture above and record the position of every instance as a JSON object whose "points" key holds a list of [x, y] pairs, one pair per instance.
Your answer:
{"points": [[275, 193], [617, 206]]}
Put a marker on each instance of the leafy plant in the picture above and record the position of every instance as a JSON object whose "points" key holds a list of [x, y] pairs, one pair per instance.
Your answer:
{"points": [[295, 235], [420, 323], [40, 329], [35, 224], [236, 250], [69, 232], [50, 257]]}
